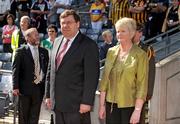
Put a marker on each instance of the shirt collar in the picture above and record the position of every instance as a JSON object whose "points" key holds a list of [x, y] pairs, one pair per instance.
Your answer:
{"points": [[31, 46], [72, 39]]}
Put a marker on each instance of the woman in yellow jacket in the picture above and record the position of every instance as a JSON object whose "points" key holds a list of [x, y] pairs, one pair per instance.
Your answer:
{"points": [[123, 87]]}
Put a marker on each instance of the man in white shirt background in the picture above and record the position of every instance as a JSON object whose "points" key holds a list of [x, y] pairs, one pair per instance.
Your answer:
{"points": [[61, 5], [4, 9]]}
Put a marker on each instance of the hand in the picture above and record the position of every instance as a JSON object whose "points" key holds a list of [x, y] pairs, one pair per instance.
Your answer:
{"points": [[3, 36], [16, 92], [48, 103], [102, 112], [84, 108], [135, 117], [8, 36], [39, 12], [148, 98]]}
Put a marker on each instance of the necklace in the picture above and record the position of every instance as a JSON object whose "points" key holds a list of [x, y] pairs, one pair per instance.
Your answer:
{"points": [[123, 54]]}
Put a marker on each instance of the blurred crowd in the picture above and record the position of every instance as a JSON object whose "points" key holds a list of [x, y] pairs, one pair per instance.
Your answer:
{"points": [[156, 16]]}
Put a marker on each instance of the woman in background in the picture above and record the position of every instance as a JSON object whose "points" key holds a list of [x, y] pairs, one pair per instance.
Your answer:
{"points": [[7, 33]]}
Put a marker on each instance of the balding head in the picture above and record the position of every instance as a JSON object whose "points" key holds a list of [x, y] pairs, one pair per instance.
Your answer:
{"points": [[32, 36]]}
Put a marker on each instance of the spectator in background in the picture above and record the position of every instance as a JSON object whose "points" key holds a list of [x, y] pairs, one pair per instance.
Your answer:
{"points": [[119, 10], [18, 36], [52, 34], [108, 42], [139, 13], [39, 11], [52, 16], [96, 12], [151, 75], [172, 19], [4, 10], [13, 8], [23, 7], [157, 12], [7, 33], [61, 5], [123, 87]]}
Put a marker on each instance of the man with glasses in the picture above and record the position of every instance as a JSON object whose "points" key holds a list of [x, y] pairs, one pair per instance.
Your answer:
{"points": [[73, 73]]}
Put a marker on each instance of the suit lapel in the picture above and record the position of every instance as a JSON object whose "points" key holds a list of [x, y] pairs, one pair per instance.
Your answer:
{"points": [[115, 56], [56, 46], [75, 44], [28, 52], [41, 58]]}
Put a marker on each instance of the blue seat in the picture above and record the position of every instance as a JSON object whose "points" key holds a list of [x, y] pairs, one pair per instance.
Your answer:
{"points": [[5, 90], [5, 57], [6, 66]]}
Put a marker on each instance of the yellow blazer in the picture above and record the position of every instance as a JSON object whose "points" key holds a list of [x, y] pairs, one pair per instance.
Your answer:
{"points": [[132, 77]]}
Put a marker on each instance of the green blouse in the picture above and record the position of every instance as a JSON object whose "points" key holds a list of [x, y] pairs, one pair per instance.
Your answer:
{"points": [[125, 81], [46, 44]]}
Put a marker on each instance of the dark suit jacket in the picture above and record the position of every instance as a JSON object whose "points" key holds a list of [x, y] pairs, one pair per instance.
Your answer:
{"points": [[76, 79], [104, 49], [152, 69], [23, 70]]}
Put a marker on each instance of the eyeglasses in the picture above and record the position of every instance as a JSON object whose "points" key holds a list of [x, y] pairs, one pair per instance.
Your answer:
{"points": [[51, 31]]}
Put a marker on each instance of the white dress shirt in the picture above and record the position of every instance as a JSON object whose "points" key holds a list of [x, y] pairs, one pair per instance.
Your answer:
{"points": [[64, 2], [4, 6]]}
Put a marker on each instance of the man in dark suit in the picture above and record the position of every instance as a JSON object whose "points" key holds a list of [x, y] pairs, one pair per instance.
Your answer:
{"points": [[151, 77], [29, 72], [72, 78]]}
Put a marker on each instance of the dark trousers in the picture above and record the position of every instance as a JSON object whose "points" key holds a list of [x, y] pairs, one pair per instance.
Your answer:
{"points": [[7, 48], [29, 107], [71, 118], [153, 26], [118, 115]]}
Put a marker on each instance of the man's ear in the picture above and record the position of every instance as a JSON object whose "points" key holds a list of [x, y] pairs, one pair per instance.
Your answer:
{"points": [[78, 24]]}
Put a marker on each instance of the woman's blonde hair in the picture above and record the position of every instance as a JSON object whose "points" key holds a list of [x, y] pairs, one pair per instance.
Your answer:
{"points": [[128, 23]]}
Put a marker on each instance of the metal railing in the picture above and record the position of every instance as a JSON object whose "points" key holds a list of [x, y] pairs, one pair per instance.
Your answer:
{"points": [[166, 43]]}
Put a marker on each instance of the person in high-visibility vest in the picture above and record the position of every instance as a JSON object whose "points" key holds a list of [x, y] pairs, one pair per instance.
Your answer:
{"points": [[18, 38]]}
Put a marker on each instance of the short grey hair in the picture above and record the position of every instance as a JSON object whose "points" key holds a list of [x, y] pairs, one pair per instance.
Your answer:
{"points": [[27, 18], [128, 23]]}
